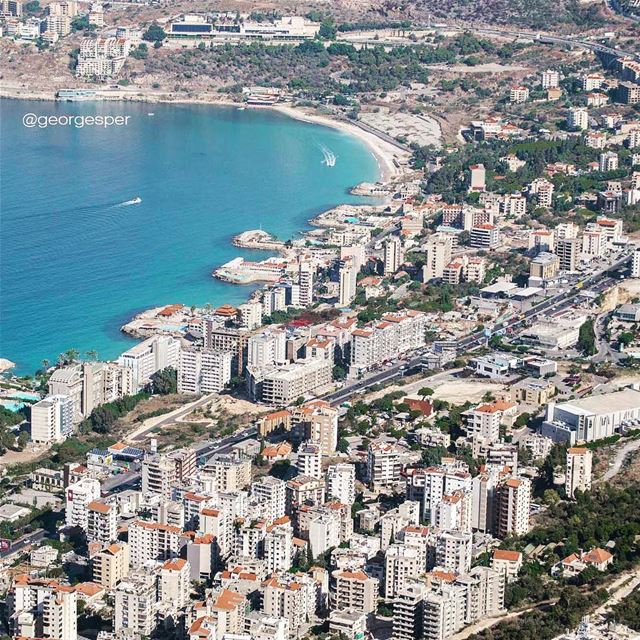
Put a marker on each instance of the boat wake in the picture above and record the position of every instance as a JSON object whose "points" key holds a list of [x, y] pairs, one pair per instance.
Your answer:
{"points": [[128, 203], [328, 157]]}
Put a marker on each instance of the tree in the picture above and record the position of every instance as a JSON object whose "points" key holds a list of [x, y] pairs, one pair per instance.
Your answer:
{"points": [[164, 382], [587, 338], [280, 469], [327, 29], [140, 54], [155, 33], [425, 391], [81, 23]]}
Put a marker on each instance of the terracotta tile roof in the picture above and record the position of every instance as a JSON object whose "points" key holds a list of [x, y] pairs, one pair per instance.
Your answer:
{"points": [[176, 564], [99, 506], [504, 554]]}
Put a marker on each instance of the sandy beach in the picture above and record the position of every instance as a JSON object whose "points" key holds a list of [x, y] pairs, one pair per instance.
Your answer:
{"points": [[384, 152]]}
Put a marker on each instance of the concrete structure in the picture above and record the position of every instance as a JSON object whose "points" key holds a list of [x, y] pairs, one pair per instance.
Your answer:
{"points": [[52, 419], [341, 482], [111, 565], [592, 418], [513, 503], [354, 591], [78, 497], [393, 255], [203, 371], [578, 476]]}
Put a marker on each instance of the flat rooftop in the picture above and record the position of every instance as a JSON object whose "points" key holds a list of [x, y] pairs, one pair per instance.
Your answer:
{"points": [[623, 400]]}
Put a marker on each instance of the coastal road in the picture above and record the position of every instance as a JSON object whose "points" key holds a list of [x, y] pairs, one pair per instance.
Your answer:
{"points": [[597, 282], [543, 38], [204, 451], [21, 543]]}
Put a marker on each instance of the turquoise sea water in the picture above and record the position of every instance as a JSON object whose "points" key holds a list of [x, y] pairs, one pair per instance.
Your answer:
{"points": [[75, 263]]}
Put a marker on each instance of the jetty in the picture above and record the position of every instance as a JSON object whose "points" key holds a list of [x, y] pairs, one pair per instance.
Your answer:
{"points": [[258, 239]]}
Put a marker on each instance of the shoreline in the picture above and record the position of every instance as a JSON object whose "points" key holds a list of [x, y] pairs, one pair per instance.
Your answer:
{"points": [[392, 162]]}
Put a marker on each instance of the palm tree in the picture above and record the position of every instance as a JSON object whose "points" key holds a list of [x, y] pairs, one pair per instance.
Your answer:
{"points": [[70, 355], [91, 354], [45, 364]]}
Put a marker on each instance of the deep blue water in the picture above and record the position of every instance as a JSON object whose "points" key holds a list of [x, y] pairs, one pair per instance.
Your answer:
{"points": [[75, 264]]}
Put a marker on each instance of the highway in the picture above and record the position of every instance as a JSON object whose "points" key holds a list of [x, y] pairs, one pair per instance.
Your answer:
{"points": [[598, 282], [596, 47], [20, 544], [204, 451]]}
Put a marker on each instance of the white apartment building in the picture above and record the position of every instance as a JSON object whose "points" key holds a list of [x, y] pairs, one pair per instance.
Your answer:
{"points": [[102, 57], [78, 497], [578, 118], [444, 612], [550, 79], [341, 482], [150, 356], [393, 255], [90, 384], [174, 583], [152, 541], [384, 464], [354, 591], [158, 475], [608, 161], [592, 81], [402, 564], [205, 371], [578, 476], [454, 511], [485, 236], [437, 257], [513, 506], [136, 604], [518, 94], [325, 530], [440, 481], [321, 424], [250, 314], [484, 420], [43, 605], [306, 274], [278, 545], [269, 494], [102, 522], [52, 419], [454, 551], [635, 264], [267, 349], [291, 599], [543, 189], [310, 460], [394, 335], [286, 384], [347, 277], [232, 471]]}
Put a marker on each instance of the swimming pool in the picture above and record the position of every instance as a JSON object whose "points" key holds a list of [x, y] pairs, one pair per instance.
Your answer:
{"points": [[12, 406], [24, 395]]}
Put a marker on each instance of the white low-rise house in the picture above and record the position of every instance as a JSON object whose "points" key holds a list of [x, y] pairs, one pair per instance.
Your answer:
{"points": [[495, 365], [43, 556], [508, 563]]}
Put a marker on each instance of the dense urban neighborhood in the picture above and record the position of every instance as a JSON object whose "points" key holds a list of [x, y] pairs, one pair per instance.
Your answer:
{"points": [[424, 421]]}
